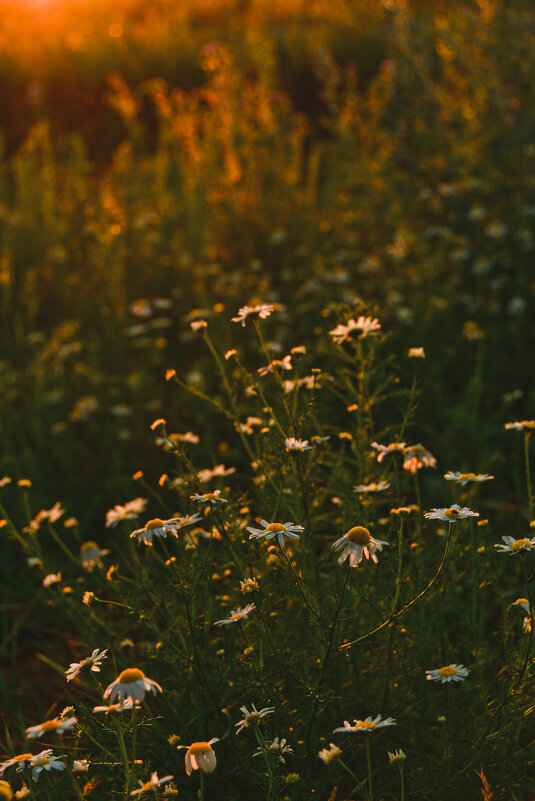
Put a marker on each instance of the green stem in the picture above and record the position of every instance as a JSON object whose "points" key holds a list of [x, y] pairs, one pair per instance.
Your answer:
{"points": [[528, 650], [369, 764], [298, 582], [402, 780], [407, 606], [527, 436]]}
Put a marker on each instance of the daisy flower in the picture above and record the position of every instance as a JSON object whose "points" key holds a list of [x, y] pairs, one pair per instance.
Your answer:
{"points": [[131, 683], [448, 673], [57, 725], [19, 760], [280, 364], [354, 543], [366, 726], [513, 546], [91, 555], [152, 785], [52, 578], [122, 706], [44, 761], [520, 425], [80, 765], [252, 718], [416, 457], [161, 528], [384, 450], [523, 603], [95, 660], [209, 497], [382, 485], [128, 511], [200, 756], [359, 328], [276, 747], [236, 615], [294, 445], [397, 756], [328, 754], [416, 353], [219, 470], [451, 514], [248, 585], [263, 310], [466, 478], [279, 530]]}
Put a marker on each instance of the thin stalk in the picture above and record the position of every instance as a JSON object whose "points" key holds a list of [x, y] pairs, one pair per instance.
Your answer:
{"points": [[298, 582], [528, 650], [527, 436], [369, 764], [407, 606]]}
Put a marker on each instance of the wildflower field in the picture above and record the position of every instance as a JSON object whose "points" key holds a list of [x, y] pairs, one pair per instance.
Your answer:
{"points": [[266, 400]]}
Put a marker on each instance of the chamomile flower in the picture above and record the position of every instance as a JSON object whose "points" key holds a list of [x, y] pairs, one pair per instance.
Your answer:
{"points": [[263, 310], [95, 660], [416, 353], [416, 457], [57, 725], [131, 683], [18, 760], [278, 530], [385, 450], [467, 478], [52, 578], [521, 425], [236, 615], [277, 747], [513, 546], [200, 756], [366, 726], [397, 756], [356, 542], [327, 755], [450, 514], [161, 528], [45, 761], [209, 497], [252, 718], [128, 511], [448, 673], [380, 487], [81, 766], [360, 328], [152, 785], [294, 445], [91, 555], [523, 603], [248, 585], [122, 706]]}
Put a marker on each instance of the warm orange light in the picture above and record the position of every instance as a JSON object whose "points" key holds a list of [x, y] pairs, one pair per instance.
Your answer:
{"points": [[115, 30]]}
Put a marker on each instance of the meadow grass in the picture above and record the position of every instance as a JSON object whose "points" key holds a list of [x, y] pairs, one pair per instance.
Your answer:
{"points": [[248, 346]]}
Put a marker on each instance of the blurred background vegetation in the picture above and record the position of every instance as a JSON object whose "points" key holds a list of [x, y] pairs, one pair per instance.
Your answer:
{"points": [[166, 157]]}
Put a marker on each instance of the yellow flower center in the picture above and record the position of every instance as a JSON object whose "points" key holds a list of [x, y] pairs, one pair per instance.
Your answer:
{"points": [[451, 513], [359, 535], [516, 546], [521, 601], [88, 546], [276, 527], [210, 496], [251, 719], [365, 724], [467, 477], [448, 671], [152, 524], [43, 761], [6, 791], [50, 725], [130, 675], [236, 616], [199, 748], [22, 757]]}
